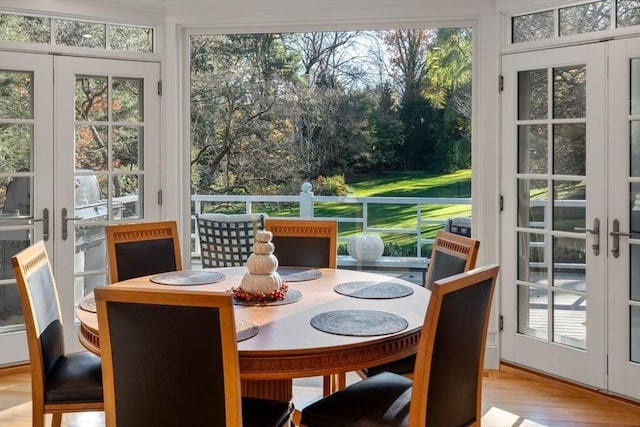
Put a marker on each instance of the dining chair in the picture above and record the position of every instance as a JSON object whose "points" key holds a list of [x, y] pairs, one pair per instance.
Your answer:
{"points": [[227, 240], [60, 382], [143, 248], [307, 243], [451, 254], [170, 358], [304, 242], [446, 389]]}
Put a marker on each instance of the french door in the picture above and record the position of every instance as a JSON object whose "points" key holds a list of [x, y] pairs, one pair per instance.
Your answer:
{"points": [[570, 154], [81, 144]]}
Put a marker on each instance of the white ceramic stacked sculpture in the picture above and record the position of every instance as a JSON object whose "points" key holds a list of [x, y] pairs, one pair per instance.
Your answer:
{"points": [[262, 265]]}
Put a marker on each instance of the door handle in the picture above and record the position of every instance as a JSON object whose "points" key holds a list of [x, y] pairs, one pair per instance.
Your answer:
{"points": [[45, 223], [595, 232], [616, 233], [65, 220], [44, 220]]}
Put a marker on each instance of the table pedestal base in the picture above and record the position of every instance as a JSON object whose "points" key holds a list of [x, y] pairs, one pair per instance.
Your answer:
{"points": [[281, 390]]}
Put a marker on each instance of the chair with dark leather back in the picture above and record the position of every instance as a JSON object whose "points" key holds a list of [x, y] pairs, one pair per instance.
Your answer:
{"points": [[451, 254], [446, 389], [304, 242], [227, 240], [144, 248], [170, 358], [60, 382]]}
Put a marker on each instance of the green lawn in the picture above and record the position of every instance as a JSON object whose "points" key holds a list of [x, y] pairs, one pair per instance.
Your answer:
{"points": [[408, 184], [414, 184]]}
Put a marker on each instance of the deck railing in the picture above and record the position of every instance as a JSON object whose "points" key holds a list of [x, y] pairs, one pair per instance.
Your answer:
{"points": [[306, 202]]}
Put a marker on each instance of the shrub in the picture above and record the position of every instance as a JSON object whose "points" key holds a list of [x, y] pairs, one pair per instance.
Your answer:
{"points": [[330, 186]]}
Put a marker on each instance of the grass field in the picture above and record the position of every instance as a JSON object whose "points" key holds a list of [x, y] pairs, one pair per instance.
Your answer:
{"points": [[386, 216], [391, 216]]}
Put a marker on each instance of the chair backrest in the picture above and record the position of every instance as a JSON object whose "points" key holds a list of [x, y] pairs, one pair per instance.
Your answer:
{"points": [[304, 243], [144, 248], [169, 358], [227, 240], [447, 380], [42, 315], [451, 254]]}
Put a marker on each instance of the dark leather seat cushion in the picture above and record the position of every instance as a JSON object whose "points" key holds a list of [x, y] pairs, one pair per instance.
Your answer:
{"points": [[76, 377], [402, 367], [264, 412], [378, 401]]}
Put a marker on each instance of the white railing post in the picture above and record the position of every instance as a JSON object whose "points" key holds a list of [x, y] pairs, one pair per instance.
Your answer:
{"points": [[306, 201]]}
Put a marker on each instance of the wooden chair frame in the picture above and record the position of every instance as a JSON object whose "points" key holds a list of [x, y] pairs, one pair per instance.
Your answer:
{"points": [[423, 368], [449, 365], [456, 245], [137, 232], [25, 264], [222, 301], [307, 228]]}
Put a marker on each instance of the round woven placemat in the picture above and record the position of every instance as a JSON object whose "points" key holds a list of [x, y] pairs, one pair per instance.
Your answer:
{"points": [[88, 303], [358, 323], [292, 295], [298, 274], [187, 277], [373, 290], [246, 329]]}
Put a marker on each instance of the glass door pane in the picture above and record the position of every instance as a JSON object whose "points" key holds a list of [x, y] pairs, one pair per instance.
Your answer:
{"points": [[108, 158], [26, 183], [551, 160]]}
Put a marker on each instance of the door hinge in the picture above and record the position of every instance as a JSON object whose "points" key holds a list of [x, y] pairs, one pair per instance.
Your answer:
{"points": [[160, 197], [500, 203], [500, 323], [500, 83], [159, 87]]}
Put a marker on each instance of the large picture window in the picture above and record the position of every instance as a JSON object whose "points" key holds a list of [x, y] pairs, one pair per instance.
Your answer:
{"points": [[355, 113]]}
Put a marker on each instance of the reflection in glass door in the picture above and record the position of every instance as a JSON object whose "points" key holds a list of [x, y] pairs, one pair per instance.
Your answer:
{"points": [[65, 186], [107, 113], [109, 167], [551, 203], [26, 184], [553, 142]]}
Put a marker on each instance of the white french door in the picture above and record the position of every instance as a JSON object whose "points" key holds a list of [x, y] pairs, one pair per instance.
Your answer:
{"points": [[87, 156], [624, 218], [571, 147]]}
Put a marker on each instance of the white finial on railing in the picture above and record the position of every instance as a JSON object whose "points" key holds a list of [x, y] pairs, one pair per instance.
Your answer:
{"points": [[306, 200]]}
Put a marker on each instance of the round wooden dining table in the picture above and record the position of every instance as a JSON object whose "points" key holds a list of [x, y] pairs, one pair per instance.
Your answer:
{"points": [[287, 346]]}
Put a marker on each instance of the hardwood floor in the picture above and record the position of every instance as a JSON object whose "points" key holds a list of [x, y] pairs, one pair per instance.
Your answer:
{"points": [[511, 398]]}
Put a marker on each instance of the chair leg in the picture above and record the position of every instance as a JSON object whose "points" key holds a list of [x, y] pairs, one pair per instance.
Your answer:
{"points": [[56, 421], [327, 385], [340, 381], [38, 418], [334, 382]]}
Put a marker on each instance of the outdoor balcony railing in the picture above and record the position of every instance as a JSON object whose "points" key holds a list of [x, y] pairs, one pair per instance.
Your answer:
{"points": [[306, 203]]}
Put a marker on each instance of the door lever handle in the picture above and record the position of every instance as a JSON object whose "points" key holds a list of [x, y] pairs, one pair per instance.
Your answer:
{"points": [[45, 223], [616, 233], [595, 232], [65, 220]]}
